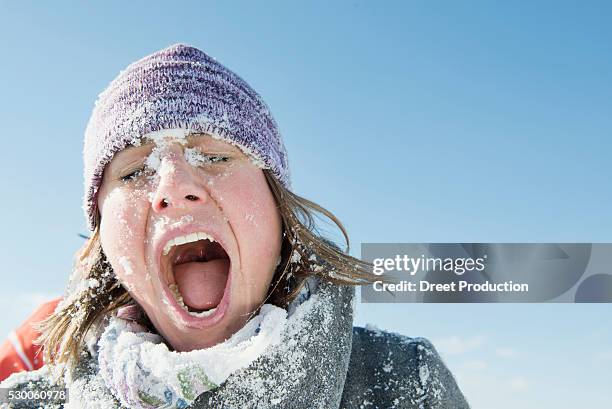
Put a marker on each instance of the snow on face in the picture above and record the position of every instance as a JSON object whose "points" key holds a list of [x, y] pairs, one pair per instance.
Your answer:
{"points": [[233, 198]]}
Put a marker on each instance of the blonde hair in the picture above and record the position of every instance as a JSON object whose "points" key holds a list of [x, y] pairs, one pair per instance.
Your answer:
{"points": [[304, 252]]}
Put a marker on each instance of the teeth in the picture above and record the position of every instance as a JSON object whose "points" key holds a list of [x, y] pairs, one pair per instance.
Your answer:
{"points": [[204, 236], [179, 299], [203, 313], [189, 238]]}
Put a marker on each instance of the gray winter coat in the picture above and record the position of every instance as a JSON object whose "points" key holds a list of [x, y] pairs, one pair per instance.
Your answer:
{"points": [[322, 362]]}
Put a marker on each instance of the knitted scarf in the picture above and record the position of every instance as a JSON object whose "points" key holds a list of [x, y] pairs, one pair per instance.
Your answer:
{"points": [[143, 373]]}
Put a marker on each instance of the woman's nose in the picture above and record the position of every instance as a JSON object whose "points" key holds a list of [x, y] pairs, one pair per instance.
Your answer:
{"points": [[178, 187]]}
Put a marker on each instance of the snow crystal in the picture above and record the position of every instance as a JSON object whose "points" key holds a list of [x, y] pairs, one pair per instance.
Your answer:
{"points": [[92, 283], [366, 403], [153, 161], [197, 158], [164, 223], [318, 268], [422, 348], [127, 266], [249, 217], [17, 378], [295, 256], [166, 136], [423, 374], [371, 327], [222, 122]]}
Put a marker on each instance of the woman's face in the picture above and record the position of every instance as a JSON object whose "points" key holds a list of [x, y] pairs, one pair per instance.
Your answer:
{"points": [[193, 232]]}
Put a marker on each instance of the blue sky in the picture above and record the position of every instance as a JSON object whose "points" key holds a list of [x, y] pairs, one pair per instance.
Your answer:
{"points": [[411, 121]]}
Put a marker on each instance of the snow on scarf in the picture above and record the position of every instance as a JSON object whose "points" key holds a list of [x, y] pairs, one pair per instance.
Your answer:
{"points": [[143, 373], [304, 366]]}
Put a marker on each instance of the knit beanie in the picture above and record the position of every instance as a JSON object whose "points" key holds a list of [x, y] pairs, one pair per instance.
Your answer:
{"points": [[179, 87]]}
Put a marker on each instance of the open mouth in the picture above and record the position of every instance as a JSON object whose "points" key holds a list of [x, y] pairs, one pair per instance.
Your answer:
{"points": [[196, 268]]}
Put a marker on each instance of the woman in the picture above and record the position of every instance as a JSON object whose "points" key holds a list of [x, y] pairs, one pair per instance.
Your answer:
{"points": [[205, 282]]}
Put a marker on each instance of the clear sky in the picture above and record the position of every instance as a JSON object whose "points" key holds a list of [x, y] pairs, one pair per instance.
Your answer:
{"points": [[411, 121]]}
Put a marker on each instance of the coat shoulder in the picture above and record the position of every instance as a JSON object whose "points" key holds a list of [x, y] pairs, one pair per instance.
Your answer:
{"points": [[389, 370]]}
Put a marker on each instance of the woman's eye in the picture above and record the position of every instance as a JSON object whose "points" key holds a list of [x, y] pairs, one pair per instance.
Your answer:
{"points": [[215, 159], [195, 157], [133, 175]]}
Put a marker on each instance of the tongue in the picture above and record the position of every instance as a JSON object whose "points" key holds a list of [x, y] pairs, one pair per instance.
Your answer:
{"points": [[202, 283]]}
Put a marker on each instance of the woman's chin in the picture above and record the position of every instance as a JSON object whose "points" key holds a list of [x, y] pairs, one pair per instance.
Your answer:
{"points": [[186, 343]]}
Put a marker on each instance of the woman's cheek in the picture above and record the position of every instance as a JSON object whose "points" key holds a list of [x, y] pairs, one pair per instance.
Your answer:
{"points": [[122, 233], [245, 197], [251, 209]]}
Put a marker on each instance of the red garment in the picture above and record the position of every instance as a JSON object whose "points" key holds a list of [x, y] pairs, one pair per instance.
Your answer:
{"points": [[18, 353]]}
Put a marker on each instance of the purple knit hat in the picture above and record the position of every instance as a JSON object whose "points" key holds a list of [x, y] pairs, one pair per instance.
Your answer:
{"points": [[179, 87]]}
